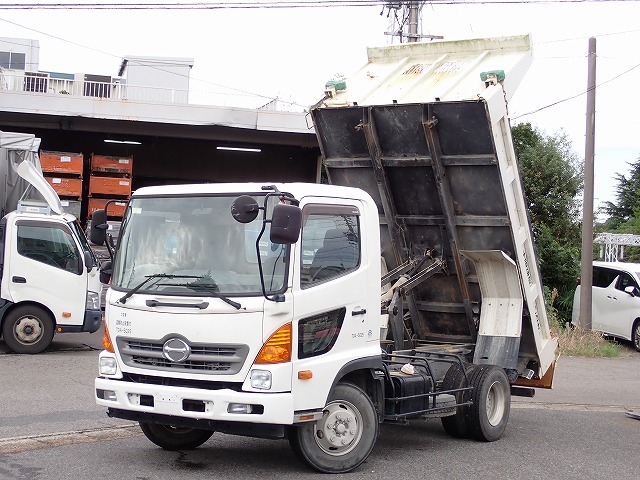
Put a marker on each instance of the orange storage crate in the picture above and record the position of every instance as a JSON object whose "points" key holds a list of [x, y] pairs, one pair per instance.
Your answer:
{"points": [[116, 209], [118, 186], [111, 164], [61, 162], [66, 186]]}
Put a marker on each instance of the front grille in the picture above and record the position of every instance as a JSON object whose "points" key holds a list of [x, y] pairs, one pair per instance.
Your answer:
{"points": [[221, 359]]}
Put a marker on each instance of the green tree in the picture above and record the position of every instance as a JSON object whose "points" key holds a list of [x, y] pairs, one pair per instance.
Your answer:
{"points": [[624, 210], [624, 213], [553, 181]]}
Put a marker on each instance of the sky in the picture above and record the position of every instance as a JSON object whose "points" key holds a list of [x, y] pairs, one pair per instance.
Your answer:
{"points": [[291, 52]]}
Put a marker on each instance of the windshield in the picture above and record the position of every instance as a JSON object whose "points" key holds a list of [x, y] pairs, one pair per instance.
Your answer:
{"points": [[197, 239], [75, 227]]}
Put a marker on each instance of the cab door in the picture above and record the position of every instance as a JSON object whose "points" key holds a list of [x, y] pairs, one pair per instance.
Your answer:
{"points": [[45, 266], [332, 281]]}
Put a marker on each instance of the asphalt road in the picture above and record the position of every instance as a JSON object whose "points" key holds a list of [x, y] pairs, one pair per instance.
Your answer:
{"points": [[50, 428]]}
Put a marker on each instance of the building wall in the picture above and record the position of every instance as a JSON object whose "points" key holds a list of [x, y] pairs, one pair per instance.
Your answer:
{"points": [[16, 47], [169, 75]]}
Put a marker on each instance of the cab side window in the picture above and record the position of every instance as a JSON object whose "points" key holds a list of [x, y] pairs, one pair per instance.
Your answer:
{"points": [[330, 246], [50, 245]]}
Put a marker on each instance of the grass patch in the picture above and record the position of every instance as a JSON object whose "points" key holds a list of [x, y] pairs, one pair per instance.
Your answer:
{"points": [[577, 342]]}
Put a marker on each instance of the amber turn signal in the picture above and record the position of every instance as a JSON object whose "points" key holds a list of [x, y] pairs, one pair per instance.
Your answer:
{"points": [[277, 349], [106, 339]]}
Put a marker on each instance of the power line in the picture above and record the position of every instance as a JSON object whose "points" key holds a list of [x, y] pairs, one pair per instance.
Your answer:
{"points": [[579, 94], [269, 4], [190, 5]]}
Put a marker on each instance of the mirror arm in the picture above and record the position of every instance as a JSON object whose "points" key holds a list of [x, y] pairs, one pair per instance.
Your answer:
{"points": [[273, 298]]}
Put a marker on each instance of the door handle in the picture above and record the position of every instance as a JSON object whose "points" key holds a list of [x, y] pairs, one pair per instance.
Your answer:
{"points": [[362, 311], [18, 279]]}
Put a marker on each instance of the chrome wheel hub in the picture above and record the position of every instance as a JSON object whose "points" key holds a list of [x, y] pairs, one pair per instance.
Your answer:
{"points": [[496, 398], [340, 429]]}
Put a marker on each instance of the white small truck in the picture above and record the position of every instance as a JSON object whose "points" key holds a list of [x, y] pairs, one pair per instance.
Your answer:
{"points": [[49, 275], [408, 290]]}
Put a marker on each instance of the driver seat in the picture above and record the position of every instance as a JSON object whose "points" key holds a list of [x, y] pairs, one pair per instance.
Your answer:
{"points": [[339, 252]]}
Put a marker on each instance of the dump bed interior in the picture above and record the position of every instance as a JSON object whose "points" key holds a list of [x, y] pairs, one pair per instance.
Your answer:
{"points": [[445, 179]]}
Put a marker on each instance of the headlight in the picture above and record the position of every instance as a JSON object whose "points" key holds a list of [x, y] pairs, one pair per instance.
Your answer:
{"points": [[108, 366], [261, 379], [93, 301]]}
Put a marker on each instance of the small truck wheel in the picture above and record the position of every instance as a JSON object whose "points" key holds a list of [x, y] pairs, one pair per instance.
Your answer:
{"points": [[175, 438], [345, 435], [487, 417], [28, 329]]}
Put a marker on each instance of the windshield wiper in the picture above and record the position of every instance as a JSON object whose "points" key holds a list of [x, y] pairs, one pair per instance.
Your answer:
{"points": [[147, 279], [211, 288]]}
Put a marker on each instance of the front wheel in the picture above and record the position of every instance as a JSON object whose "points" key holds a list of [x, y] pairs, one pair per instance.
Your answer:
{"points": [[491, 395], [635, 335], [345, 435], [28, 329], [175, 438]]}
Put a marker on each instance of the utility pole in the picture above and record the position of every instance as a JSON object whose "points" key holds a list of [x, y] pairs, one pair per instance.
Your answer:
{"points": [[586, 270], [405, 21], [412, 30]]}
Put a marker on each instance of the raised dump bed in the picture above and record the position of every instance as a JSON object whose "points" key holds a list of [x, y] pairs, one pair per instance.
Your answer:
{"points": [[444, 175]]}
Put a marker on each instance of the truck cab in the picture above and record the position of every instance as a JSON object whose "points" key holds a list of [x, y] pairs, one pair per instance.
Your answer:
{"points": [[49, 274]]}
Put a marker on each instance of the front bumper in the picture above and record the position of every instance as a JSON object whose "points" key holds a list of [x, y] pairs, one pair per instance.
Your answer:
{"points": [[194, 403]]}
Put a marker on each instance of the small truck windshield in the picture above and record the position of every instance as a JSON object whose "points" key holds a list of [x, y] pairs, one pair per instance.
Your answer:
{"points": [[197, 238]]}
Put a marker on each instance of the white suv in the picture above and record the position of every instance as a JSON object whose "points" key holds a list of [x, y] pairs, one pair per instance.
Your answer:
{"points": [[615, 300]]}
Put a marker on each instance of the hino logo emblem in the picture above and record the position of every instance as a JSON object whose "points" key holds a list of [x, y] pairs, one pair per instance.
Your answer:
{"points": [[176, 350]]}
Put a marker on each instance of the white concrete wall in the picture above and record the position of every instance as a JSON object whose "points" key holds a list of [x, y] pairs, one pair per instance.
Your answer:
{"points": [[169, 74]]}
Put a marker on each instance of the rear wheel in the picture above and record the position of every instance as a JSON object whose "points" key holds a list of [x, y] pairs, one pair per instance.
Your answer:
{"points": [[345, 435], [487, 417], [28, 329], [175, 438], [635, 335], [456, 425]]}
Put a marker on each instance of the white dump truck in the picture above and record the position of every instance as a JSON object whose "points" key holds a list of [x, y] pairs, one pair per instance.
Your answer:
{"points": [[50, 280], [408, 289]]}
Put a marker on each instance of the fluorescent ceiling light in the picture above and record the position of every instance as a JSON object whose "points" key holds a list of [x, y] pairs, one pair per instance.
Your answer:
{"points": [[240, 149], [127, 142]]}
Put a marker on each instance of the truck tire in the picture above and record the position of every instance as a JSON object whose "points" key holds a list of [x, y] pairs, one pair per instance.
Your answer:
{"points": [[456, 425], [28, 329], [344, 437], [487, 417], [175, 438]]}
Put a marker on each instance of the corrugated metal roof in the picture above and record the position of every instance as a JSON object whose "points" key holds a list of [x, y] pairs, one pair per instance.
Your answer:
{"points": [[427, 72]]}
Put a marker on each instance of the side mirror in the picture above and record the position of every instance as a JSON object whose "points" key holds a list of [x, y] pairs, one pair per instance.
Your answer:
{"points": [[105, 272], [97, 232], [286, 221], [88, 261], [631, 290]]}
